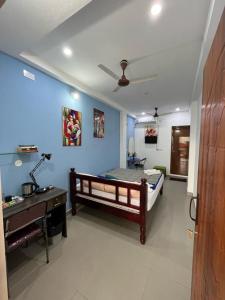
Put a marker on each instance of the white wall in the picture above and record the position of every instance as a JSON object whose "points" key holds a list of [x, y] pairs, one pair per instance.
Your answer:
{"points": [[160, 154], [194, 147]]}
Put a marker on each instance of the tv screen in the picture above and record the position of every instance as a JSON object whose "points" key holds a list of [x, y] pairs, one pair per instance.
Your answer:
{"points": [[151, 139]]}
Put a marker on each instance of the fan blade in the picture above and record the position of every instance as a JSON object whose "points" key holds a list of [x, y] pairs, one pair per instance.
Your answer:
{"points": [[149, 114], [140, 80], [2, 2], [137, 59], [173, 112], [116, 89], [109, 72], [159, 52], [168, 113]]}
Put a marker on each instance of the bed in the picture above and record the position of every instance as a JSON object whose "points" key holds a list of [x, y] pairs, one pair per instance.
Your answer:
{"points": [[128, 194]]}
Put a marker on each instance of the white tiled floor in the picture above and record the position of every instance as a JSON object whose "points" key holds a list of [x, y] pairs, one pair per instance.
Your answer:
{"points": [[102, 258]]}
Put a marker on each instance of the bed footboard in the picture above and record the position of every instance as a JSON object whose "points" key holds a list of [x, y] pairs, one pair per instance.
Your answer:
{"points": [[81, 191]]}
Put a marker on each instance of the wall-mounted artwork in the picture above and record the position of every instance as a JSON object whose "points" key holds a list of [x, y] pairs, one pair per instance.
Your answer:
{"points": [[99, 123], [151, 135], [72, 127]]}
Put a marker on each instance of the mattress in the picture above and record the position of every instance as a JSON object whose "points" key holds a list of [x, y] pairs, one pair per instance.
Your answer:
{"points": [[133, 175], [135, 201]]}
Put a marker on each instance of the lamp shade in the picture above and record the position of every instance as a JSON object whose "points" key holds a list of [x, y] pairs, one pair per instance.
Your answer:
{"points": [[47, 155]]}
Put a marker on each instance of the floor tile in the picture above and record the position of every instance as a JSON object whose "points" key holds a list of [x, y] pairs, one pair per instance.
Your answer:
{"points": [[160, 286], [78, 296]]}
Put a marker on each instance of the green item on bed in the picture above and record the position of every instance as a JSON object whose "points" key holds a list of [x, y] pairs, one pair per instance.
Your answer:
{"points": [[161, 168]]}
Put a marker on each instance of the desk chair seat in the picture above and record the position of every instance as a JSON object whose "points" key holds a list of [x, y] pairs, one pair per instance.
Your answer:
{"points": [[23, 227], [141, 163], [21, 237]]}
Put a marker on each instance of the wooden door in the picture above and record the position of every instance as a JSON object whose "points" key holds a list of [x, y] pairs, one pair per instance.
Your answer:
{"points": [[180, 150], [208, 281], [3, 278]]}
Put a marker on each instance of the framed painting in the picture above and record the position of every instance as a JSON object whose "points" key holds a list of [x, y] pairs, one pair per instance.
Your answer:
{"points": [[151, 135], [99, 123], [72, 127]]}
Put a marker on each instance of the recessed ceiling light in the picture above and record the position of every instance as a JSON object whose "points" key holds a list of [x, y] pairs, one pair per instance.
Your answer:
{"points": [[75, 95], [156, 9], [67, 51], [178, 109], [143, 113]]}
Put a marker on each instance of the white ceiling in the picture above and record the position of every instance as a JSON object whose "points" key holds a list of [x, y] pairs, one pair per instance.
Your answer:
{"points": [[105, 32], [25, 22]]}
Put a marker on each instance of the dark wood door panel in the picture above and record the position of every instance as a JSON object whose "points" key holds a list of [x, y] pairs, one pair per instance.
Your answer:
{"points": [[180, 150], [208, 282]]}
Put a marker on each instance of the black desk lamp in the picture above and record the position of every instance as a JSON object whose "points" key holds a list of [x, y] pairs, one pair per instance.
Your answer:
{"points": [[38, 189]]}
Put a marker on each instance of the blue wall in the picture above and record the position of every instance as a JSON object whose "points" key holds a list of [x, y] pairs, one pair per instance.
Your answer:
{"points": [[130, 129], [31, 113]]}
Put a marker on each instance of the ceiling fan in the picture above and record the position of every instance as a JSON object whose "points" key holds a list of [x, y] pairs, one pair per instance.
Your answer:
{"points": [[156, 115], [123, 81], [2, 2]]}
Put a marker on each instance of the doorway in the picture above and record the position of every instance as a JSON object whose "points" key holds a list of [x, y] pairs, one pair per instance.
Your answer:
{"points": [[180, 150]]}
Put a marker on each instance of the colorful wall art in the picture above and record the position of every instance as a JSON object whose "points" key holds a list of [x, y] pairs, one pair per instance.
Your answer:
{"points": [[151, 135], [99, 123], [72, 124]]}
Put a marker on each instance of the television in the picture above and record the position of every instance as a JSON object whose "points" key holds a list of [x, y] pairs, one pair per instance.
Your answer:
{"points": [[151, 139]]}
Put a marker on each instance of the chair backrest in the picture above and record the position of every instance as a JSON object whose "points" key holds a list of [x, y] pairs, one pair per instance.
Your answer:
{"points": [[25, 217], [143, 161]]}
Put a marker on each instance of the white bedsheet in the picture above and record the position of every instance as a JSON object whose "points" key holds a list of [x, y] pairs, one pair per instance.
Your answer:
{"points": [[152, 196]]}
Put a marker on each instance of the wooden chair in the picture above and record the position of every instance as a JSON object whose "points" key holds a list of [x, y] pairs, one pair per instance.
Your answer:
{"points": [[23, 227]]}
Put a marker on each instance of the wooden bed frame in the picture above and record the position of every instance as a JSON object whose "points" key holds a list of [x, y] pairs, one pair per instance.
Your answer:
{"points": [[136, 214]]}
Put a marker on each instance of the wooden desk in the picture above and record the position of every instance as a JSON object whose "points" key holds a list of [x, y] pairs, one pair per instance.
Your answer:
{"points": [[55, 198]]}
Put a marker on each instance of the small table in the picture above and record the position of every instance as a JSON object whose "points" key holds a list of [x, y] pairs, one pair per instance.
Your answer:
{"points": [[55, 198]]}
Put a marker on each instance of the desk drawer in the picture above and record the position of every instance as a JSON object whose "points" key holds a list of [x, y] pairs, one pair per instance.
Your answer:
{"points": [[25, 217], [55, 202]]}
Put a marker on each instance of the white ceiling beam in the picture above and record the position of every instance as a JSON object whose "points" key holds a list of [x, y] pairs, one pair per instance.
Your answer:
{"points": [[69, 80]]}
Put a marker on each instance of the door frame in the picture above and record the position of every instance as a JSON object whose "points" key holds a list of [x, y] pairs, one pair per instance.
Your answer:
{"points": [[209, 260], [3, 277]]}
